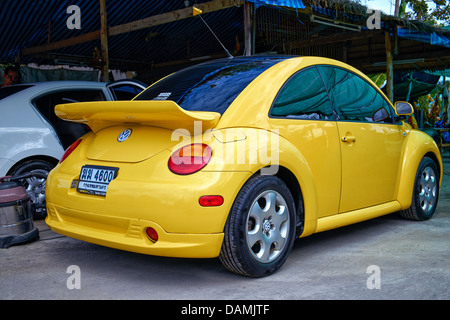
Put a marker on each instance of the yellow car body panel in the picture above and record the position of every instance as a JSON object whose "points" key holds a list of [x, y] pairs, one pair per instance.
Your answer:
{"points": [[398, 173], [317, 142], [341, 180], [143, 195], [379, 164], [148, 190], [129, 234]]}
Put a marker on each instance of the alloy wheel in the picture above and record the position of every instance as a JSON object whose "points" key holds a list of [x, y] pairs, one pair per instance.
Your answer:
{"points": [[268, 226]]}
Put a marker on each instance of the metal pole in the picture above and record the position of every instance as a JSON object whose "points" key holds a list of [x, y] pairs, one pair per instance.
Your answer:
{"points": [[389, 68]]}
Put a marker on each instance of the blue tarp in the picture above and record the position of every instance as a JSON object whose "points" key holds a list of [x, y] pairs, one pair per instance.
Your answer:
{"points": [[431, 38], [409, 86], [297, 4]]}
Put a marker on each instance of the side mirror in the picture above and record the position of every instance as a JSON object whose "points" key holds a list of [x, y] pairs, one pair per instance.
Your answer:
{"points": [[380, 115], [403, 108]]}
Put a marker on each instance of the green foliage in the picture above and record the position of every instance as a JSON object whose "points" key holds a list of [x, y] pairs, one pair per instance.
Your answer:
{"points": [[378, 78], [423, 11]]}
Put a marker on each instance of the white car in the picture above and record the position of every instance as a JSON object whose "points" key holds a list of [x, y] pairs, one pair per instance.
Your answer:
{"points": [[33, 138]]}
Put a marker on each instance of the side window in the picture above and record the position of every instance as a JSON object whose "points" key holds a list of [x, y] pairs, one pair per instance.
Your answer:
{"points": [[78, 96], [46, 103], [353, 98], [125, 91], [303, 96], [67, 131]]}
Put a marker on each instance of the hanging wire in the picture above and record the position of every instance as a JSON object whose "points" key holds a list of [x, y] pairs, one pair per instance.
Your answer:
{"points": [[226, 51]]}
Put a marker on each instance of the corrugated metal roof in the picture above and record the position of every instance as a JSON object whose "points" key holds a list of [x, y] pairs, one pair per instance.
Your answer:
{"points": [[29, 23], [25, 23]]}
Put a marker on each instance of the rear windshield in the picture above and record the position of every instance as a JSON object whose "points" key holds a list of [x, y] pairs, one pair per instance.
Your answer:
{"points": [[210, 86], [7, 91]]}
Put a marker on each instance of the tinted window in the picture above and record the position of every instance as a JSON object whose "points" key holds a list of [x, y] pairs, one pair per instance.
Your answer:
{"points": [[46, 103], [210, 86], [67, 131], [7, 91], [303, 97], [353, 98], [125, 91]]}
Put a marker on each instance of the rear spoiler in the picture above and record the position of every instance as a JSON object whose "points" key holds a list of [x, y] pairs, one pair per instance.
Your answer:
{"points": [[166, 114]]}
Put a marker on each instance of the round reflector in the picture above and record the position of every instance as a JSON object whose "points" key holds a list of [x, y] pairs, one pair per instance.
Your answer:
{"points": [[152, 234]]}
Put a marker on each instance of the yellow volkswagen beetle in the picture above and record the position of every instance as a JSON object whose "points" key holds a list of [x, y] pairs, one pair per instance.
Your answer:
{"points": [[236, 158]]}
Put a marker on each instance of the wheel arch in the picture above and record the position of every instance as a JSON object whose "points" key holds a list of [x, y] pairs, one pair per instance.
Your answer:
{"points": [[419, 145], [303, 198], [294, 187], [289, 165], [21, 162], [438, 163]]}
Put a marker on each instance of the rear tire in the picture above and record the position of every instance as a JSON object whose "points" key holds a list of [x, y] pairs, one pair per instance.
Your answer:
{"points": [[35, 186], [425, 192], [260, 229]]}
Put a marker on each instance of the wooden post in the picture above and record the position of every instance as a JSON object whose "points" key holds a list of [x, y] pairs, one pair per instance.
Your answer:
{"points": [[104, 41], [389, 68], [344, 51], [248, 28]]}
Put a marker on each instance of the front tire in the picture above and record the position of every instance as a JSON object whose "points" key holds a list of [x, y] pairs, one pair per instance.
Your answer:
{"points": [[260, 229], [425, 192]]}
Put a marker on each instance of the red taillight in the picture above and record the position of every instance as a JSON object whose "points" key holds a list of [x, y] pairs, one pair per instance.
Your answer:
{"points": [[69, 150], [152, 234], [190, 159], [210, 201]]}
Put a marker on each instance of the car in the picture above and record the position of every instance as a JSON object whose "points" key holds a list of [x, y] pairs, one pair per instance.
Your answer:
{"points": [[237, 158], [33, 138]]}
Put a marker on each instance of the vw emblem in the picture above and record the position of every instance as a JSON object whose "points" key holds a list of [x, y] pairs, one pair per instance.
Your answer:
{"points": [[124, 135], [267, 226]]}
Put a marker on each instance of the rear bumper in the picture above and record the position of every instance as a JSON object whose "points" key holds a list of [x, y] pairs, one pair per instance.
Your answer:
{"points": [[167, 203], [129, 234]]}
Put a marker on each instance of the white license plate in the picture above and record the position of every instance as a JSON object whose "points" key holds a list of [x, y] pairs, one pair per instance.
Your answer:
{"points": [[96, 179]]}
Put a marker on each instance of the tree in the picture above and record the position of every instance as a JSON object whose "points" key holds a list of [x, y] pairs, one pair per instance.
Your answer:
{"points": [[421, 10]]}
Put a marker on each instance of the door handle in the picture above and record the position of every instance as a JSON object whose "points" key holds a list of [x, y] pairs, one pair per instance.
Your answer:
{"points": [[348, 139]]}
